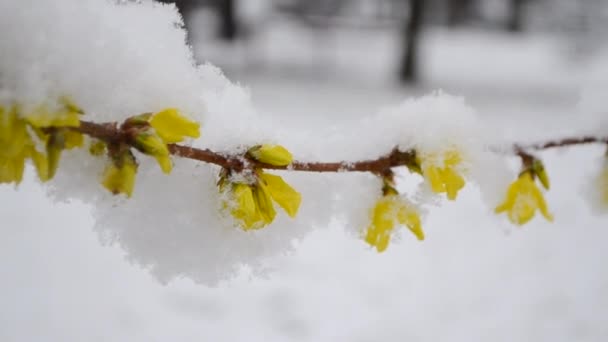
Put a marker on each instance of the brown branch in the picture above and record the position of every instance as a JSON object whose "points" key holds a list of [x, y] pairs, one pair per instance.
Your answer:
{"points": [[112, 133], [565, 142]]}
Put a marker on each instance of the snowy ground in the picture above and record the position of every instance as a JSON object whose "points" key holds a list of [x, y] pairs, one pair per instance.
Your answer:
{"points": [[475, 278]]}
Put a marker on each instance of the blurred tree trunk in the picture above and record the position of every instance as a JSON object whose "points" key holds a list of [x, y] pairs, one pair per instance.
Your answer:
{"points": [[515, 22], [459, 11], [409, 70], [228, 20]]}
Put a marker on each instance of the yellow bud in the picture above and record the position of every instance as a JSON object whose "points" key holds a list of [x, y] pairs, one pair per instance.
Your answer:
{"points": [[97, 148], [539, 170], [152, 145], [173, 127], [271, 154]]}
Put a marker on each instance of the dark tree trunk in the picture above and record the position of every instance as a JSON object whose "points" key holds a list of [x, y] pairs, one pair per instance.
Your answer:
{"points": [[459, 11], [228, 29], [515, 22], [409, 72]]}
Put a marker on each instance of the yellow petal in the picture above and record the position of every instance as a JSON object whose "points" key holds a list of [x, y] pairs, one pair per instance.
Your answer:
{"points": [[433, 175], [173, 127], [411, 219], [244, 208], [453, 182], [11, 170], [165, 163], [541, 203], [119, 176], [271, 154], [264, 203], [41, 164], [383, 222], [286, 196], [510, 198]]}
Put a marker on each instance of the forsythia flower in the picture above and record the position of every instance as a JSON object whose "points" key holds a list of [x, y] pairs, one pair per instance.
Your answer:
{"points": [[522, 200], [16, 146], [444, 179], [14, 142], [252, 205], [390, 211], [119, 176], [173, 127], [276, 155]]}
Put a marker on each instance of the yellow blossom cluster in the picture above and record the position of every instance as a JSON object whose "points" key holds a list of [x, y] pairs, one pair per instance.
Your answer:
{"points": [[22, 132], [153, 133], [251, 202]]}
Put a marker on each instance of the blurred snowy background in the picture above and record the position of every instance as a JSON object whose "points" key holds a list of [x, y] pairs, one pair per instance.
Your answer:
{"points": [[524, 65]]}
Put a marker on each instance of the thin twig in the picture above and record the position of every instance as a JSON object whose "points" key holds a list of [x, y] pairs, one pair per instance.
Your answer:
{"points": [[111, 133]]}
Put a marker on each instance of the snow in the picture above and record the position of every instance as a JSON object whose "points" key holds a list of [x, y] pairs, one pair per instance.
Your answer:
{"points": [[92, 267]]}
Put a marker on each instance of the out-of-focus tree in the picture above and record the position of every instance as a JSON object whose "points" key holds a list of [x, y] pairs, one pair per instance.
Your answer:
{"points": [[460, 11], [515, 20], [409, 70]]}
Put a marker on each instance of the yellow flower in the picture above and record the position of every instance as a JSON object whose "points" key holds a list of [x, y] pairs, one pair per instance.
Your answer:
{"points": [[522, 200], [173, 127], [15, 145], [119, 176], [391, 211], [271, 154], [152, 145], [252, 204], [444, 179]]}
